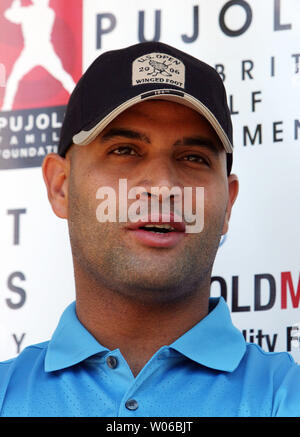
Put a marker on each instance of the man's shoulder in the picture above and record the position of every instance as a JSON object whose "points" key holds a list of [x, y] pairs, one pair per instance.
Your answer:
{"points": [[277, 370], [276, 362], [15, 372], [256, 352], [25, 358]]}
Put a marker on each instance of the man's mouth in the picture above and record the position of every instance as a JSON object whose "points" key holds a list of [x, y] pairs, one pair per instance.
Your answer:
{"points": [[165, 232], [160, 229], [164, 224]]}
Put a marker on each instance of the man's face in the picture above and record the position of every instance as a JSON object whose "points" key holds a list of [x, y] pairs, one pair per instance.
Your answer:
{"points": [[152, 144]]}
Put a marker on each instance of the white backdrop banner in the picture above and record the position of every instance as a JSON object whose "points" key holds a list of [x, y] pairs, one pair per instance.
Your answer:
{"points": [[254, 46]]}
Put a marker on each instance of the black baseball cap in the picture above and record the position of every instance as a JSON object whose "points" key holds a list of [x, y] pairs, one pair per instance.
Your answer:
{"points": [[119, 79]]}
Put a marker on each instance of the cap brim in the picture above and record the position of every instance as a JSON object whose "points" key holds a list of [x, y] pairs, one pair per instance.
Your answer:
{"points": [[85, 137]]}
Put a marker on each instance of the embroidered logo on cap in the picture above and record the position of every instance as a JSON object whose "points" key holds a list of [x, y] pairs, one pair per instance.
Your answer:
{"points": [[158, 68]]}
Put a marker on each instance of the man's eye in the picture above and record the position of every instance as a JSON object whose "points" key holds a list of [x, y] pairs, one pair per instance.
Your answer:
{"points": [[195, 158], [124, 150]]}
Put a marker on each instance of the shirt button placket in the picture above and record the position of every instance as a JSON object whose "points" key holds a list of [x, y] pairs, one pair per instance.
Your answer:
{"points": [[131, 404], [112, 362]]}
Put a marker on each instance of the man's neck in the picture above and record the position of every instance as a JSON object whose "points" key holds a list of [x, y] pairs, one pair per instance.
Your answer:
{"points": [[137, 328]]}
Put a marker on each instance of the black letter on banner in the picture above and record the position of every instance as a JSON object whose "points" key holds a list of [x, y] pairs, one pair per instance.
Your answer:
{"points": [[141, 33], [297, 126], [232, 111], [251, 138], [257, 292], [222, 283], [100, 31], [272, 66], [277, 131], [220, 69], [254, 100], [19, 342], [292, 337], [247, 70], [235, 296], [189, 39], [277, 25], [248, 21], [18, 290], [296, 56], [16, 213]]}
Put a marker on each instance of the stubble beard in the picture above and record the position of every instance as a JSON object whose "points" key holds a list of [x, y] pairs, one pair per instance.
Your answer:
{"points": [[150, 275]]}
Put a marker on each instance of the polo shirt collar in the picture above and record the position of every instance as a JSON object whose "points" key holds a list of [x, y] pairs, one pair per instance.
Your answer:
{"points": [[71, 342], [213, 342]]}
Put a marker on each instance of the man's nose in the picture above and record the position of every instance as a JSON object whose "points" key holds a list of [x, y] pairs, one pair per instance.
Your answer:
{"points": [[159, 173]]}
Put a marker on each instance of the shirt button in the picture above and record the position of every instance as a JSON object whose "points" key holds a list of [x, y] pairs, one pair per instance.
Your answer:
{"points": [[131, 404], [112, 362]]}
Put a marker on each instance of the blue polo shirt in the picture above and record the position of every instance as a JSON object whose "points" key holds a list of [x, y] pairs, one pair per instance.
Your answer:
{"points": [[209, 371]]}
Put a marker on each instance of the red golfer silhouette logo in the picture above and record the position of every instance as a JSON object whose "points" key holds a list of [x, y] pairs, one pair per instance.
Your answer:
{"points": [[36, 21]]}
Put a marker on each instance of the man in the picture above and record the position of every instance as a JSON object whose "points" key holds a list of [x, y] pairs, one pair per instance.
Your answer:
{"points": [[143, 337]]}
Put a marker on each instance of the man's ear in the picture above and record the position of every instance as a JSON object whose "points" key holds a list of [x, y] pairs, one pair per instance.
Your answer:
{"points": [[233, 189], [56, 170]]}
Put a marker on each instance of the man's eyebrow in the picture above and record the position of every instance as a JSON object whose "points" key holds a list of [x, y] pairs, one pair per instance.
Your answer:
{"points": [[199, 141], [126, 133]]}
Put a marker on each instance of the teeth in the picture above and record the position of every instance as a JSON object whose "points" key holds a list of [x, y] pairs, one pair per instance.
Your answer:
{"points": [[163, 226]]}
